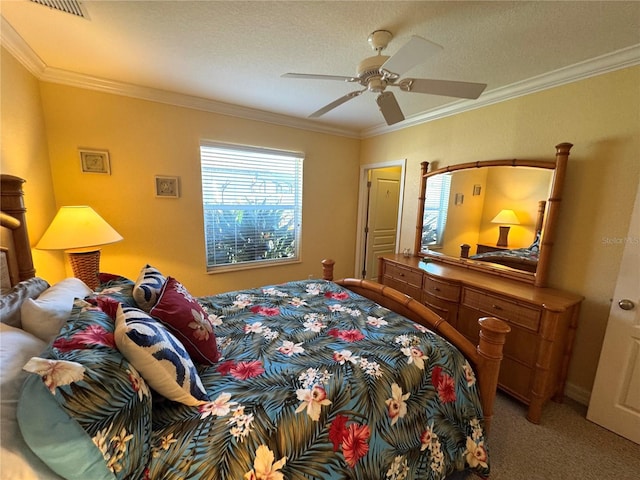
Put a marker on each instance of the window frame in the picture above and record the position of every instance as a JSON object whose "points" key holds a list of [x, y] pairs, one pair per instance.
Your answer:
{"points": [[272, 169]]}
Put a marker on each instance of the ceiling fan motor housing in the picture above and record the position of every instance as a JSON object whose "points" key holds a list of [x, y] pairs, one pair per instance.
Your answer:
{"points": [[369, 74]]}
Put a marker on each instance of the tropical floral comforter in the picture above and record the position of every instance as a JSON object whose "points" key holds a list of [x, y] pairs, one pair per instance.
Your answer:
{"points": [[316, 382], [520, 258]]}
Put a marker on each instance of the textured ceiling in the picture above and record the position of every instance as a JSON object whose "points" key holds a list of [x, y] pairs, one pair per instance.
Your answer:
{"points": [[234, 52]]}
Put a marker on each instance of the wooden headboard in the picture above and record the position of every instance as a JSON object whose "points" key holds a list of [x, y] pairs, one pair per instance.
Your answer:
{"points": [[16, 263]]}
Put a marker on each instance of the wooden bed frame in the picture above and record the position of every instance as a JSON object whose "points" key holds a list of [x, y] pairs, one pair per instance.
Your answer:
{"points": [[485, 358]]}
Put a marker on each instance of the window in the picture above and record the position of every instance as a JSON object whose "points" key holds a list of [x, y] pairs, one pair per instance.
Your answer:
{"points": [[435, 210], [252, 199]]}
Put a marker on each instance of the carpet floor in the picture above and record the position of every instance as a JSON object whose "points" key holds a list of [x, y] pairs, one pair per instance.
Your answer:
{"points": [[564, 446]]}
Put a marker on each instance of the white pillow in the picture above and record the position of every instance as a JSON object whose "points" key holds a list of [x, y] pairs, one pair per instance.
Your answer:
{"points": [[45, 316], [17, 460]]}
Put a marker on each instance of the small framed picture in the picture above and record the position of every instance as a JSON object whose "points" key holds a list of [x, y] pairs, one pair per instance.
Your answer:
{"points": [[167, 187], [95, 161], [476, 190], [459, 199]]}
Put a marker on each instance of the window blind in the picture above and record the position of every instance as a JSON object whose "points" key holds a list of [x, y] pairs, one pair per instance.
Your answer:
{"points": [[252, 199], [435, 210]]}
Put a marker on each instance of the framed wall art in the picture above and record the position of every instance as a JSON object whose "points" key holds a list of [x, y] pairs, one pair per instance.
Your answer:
{"points": [[95, 161], [167, 187]]}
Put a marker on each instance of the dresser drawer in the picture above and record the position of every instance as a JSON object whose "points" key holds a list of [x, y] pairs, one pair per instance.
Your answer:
{"points": [[447, 310], [516, 313], [444, 290], [406, 275], [515, 378], [402, 287]]}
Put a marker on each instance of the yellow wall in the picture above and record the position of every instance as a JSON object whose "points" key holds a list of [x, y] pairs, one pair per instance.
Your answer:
{"points": [[24, 154], [145, 139], [601, 117]]}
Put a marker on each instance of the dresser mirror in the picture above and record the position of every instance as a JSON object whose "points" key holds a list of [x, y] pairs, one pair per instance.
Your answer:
{"points": [[497, 216]]}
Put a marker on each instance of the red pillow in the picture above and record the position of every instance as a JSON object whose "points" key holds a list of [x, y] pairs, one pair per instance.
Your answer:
{"points": [[187, 320]]}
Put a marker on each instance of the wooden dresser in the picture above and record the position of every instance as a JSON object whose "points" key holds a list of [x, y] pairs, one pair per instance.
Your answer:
{"points": [[542, 320]]}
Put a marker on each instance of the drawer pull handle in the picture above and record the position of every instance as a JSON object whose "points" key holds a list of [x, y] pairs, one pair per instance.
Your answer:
{"points": [[436, 289], [497, 307], [402, 274]]}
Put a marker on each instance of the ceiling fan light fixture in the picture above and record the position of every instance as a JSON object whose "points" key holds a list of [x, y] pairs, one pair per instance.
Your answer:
{"points": [[377, 85]]}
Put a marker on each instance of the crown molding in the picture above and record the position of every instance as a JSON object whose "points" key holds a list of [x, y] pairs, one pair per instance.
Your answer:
{"points": [[610, 62], [14, 43], [17, 47], [626, 57], [72, 79]]}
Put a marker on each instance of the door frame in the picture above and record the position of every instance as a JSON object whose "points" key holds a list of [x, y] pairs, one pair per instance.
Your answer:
{"points": [[362, 207]]}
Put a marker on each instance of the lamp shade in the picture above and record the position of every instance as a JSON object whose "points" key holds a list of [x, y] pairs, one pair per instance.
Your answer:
{"points": [[77, 227], [506, 217]]}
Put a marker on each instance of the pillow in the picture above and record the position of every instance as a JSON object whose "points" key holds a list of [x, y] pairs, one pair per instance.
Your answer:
{"points": [[84, 410], [187, 320], [535, 246], [17, 460], [117, 287], [11, 303], [147, 287], [45, 316], [159, 356]]}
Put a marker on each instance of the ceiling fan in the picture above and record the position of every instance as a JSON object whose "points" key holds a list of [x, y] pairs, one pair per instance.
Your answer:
{"points": [[378, 72]]}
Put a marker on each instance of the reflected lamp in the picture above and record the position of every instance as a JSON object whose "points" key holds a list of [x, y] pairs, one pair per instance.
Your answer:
{"points": [[505, 218]]}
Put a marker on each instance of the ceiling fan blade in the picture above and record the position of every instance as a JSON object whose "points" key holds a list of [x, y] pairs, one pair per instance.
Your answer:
{"points": [[412, 53], [312, 76], [389, 107], [336, 103], [448, 88]]}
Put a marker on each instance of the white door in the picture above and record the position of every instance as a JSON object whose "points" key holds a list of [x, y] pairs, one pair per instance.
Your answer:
{"points": [[382, 217], [615, 399]]}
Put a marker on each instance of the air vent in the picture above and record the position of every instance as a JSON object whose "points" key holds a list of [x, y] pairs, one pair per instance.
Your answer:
{"points": [[68, 6]]}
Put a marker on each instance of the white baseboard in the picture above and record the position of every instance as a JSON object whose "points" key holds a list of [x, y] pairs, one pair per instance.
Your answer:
{"points": [[579, 394]]}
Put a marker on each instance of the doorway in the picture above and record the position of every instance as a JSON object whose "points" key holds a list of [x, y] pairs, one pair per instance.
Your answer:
{"points": [[379, 214]]}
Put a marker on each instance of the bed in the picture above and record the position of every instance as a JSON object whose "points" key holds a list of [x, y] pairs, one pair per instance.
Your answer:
{"points": [[308, 379], [525, 259]]}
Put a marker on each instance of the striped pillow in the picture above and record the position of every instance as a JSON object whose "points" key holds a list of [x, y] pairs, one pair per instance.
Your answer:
{"points": [[147, 287]]}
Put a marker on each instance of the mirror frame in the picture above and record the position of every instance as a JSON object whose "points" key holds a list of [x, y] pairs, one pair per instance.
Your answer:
{"points": [[539, 278]]}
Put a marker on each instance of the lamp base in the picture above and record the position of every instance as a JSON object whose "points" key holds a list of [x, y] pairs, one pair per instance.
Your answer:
{"points": [[86, 266], [504, 233]]}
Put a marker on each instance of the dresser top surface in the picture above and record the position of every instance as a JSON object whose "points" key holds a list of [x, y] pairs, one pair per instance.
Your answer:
{"points": [[549, 297]]}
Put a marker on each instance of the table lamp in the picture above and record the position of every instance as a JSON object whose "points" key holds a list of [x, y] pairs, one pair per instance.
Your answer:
{"points": [[78, 230], [505, 218]]}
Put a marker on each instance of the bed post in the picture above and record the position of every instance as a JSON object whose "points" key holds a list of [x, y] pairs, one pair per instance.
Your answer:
{"points": [[327, 269], [493, 334], [12, 203]]}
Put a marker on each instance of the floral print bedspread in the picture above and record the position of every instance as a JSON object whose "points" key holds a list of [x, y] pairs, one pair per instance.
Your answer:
{"points": [[317, 382]]}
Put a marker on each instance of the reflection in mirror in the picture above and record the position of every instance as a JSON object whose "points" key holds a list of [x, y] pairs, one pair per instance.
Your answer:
{"points": [[497, 215], [454, 215]]}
